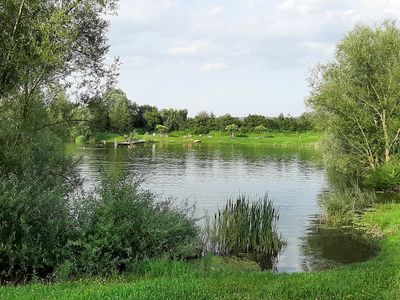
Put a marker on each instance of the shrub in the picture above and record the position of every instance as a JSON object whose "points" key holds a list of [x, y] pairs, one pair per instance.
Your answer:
{"points": [[245, 227], [343, 204], [80, 139], [260, 129], [126, 225], [232, 128], [161, 129], [386, 177], [35, 226]]}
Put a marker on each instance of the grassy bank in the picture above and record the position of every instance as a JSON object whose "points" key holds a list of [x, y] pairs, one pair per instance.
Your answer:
{"points": [[378, 278], [276, 138]]}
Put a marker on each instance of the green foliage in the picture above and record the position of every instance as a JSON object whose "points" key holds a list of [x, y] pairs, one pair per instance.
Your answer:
{"points": [[260, 129], [161, 129], [80, 139], [118, 111], [202, 123], [232, 128], [343, 204], [252, 121], [226, 120], [215, 279], [35, 226], [123, 225], [355, 98], [99, 115], [386, 176], [30, 57], [246, 227], [174, 119], [152, 118]]}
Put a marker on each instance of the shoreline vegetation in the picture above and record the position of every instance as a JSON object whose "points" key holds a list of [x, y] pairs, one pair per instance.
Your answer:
{"points": [[120, 242], [309, 138], [219, 278]]}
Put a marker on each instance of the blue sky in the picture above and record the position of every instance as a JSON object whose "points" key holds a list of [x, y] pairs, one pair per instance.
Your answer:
{"points": [[231, 56]]}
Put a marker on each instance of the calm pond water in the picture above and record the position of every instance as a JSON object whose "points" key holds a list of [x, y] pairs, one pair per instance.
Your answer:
{"points": [[210, 174]]}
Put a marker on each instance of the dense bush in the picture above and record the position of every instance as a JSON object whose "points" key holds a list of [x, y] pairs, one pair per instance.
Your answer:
{"points": [[386, 177], [34, 227], [44, 233], [36, 179], [123, 225]]}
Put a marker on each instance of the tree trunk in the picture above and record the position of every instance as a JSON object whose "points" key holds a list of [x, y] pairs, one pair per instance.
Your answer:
{"points": [[386, 136]]}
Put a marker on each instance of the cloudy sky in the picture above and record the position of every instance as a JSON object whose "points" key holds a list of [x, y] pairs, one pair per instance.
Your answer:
{"points": [[231, 56]]}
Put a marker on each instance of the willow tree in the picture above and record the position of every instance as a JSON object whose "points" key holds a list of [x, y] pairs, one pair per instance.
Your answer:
{"points": [[46, 46], [118, 111], [356, 97]]}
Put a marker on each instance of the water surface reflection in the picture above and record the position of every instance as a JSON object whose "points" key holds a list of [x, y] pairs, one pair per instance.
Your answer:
{"points": [[294, 178]]}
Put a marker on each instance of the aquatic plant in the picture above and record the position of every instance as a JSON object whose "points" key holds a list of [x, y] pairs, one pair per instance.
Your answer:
{"points": [[246, 228], [343, 204]]}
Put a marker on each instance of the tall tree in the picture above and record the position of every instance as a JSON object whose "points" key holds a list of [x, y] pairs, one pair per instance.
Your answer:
{"points": [[153, 118], [174, 119], [45, 44], [118, 112], [356, 97]]}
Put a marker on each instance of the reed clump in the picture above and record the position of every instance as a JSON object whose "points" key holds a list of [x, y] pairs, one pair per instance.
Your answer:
{"points": [[246, 228]]}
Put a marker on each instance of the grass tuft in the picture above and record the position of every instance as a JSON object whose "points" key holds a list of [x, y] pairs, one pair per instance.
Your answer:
{"points": [[246, 228]]}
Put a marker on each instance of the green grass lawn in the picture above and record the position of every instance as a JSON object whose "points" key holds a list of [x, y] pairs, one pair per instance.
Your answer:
{"points": [[278, 138], [109, 137], [210, 278]]}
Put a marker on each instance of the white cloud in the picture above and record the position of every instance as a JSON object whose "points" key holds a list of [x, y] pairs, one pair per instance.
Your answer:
{"points": [[136, 61], [304, 9], [214, 66], [287, 5], [144, 11], [325, 48], [216, 10], [188, 48], [167, 38]]}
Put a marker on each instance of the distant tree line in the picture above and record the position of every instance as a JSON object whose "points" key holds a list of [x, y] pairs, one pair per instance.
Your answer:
{"points": [[114, 112]]}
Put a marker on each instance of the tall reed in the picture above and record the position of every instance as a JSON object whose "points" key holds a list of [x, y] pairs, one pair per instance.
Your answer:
{"points": [[246, 228]]}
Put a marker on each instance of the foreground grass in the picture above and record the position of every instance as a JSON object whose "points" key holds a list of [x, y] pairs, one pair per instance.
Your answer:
{"points": [[276, 138], [378, 278]]}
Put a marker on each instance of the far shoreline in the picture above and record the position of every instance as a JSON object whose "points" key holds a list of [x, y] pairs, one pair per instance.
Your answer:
{"points": [[308, 138]]}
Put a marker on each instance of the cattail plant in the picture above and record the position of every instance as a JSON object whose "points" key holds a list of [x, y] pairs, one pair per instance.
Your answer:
{"points": [[246, 228]]}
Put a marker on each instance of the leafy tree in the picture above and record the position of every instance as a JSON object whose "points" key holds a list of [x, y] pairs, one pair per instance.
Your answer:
{"points": [[272, 123], [60, 110], [99, 116], [140, 120], [226, 120], [119, 113], [203, 122], [260, 129], [174, 119], [356, 97], [43, 43], [232, 128], [153, 118], [161, 129], [252, 121], [305, 122]]}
